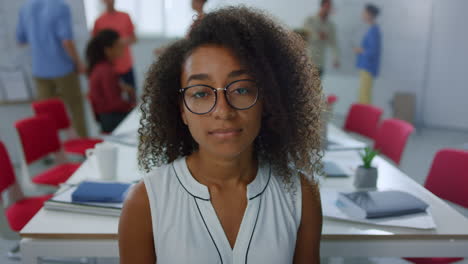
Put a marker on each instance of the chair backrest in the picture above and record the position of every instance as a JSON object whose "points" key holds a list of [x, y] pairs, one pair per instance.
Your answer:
{"points": [[391, 138], [38, 136], [55, 109], [363, 119], [331, 99], [448, 177], [7, 173]]}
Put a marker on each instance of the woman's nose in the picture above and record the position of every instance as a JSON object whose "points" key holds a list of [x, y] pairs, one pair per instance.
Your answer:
{"points": [[222, 108]]}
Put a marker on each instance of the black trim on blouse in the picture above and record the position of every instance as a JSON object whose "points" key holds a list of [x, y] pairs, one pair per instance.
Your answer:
{"points": [[206, 226]]}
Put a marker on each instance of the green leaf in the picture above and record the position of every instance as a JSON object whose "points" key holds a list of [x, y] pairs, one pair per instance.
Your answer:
{"points": [[367, 157]]}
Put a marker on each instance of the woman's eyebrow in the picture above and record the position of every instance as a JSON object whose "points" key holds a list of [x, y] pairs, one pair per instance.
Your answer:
{"points": [[200, 77], [206, 77], [237, 73]]}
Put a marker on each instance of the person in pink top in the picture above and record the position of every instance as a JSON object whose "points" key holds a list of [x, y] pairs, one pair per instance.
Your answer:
{"points": [[121, 23]]}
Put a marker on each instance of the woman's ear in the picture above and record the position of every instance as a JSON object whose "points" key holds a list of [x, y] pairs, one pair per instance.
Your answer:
{"points": [[183, 115]]}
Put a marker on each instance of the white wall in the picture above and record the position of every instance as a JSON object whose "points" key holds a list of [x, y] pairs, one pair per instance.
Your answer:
{"points": [[405, 27], [446, 95], [151, 18], [292, 13], [425, 50]]}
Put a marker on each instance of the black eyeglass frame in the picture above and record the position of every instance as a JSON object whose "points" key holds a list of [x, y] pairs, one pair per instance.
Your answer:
{"points": [[215, 90]]}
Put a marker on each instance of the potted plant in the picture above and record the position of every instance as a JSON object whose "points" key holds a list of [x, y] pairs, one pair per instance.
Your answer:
{"points": [[366, 175]]}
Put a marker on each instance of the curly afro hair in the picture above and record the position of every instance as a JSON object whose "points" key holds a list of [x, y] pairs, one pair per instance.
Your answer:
{"points": [[290, 134]]}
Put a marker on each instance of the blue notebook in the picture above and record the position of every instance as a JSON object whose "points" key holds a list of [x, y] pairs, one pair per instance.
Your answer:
{"points": [[102, 192]]}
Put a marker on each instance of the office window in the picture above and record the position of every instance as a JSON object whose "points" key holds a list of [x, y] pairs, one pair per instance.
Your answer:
{"points": [[170, 18]]}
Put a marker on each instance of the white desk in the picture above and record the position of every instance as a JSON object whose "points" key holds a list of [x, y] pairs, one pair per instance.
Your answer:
{"points": [[341, 238], [64, 234], [342, 141]]}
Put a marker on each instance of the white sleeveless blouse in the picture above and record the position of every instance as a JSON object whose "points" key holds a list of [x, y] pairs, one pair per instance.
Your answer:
{"points": [[186, 228]]}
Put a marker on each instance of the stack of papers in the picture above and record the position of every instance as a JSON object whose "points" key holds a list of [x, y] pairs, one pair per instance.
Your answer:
{"points": [[331, 169], [336, 144], [338, 140], [330, 209], [125, 138], [379, 204], [63, 201]]}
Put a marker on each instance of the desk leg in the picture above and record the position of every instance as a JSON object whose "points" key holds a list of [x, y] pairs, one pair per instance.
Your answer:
{"points": [[28, 254], [30, 259], [336, 260]]}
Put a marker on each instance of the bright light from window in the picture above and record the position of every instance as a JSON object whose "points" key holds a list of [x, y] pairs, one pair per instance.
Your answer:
{"points": [[151, 17]]}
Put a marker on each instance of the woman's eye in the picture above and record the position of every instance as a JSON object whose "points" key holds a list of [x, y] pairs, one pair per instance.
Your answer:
{"points": [[241, 91], [200, 94]]}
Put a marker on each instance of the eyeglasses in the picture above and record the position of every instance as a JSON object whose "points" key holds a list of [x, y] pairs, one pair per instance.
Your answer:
{"points": [[200, 99]]}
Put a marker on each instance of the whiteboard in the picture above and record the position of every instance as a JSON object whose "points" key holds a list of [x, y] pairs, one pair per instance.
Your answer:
{"points": [[14, 57], [445, 103]]}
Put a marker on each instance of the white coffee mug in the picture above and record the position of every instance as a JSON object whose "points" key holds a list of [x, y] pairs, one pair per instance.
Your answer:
{"points": [[105, 160]]}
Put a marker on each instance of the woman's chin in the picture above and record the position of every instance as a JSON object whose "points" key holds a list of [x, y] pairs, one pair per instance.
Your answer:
{"points": [[227, 151]]}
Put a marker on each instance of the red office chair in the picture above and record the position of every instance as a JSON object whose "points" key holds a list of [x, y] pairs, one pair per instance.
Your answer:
{"points": [[391, 138], [39, 138], [20, 210], [363, 119], [448, 179], [331, 99], [23, 208], [55, 109]]}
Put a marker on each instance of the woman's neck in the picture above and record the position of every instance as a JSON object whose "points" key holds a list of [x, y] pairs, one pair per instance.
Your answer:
{"points": [[214, 171]]}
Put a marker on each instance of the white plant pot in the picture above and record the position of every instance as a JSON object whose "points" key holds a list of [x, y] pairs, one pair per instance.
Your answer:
{"points": [[365, 178]]}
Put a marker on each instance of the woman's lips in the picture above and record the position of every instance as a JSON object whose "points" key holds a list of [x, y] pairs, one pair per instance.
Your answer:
{"points": [[225, 133]]}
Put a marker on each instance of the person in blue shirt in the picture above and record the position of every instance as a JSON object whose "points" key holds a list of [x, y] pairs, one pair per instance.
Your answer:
{"points": [[368, 55], [46, 26]]}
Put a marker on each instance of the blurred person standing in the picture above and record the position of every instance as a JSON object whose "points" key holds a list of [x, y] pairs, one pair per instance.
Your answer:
{"points": [[368, 54], [122, 24], [106, 92], [320, 33], [46, 26]]}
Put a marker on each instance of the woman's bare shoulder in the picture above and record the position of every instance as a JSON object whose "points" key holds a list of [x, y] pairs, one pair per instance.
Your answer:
{"points": [[310, 190], [137, 196], [136, 208], [310, 229], [135, 227]]}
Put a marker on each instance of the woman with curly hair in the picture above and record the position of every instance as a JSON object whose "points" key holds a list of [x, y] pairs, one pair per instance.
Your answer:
{"points": [[230, 138]]}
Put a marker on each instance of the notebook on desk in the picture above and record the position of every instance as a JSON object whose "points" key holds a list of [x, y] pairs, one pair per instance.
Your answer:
{"points": [[100, 192], [331, 169], [380, 204], [126, 138], [329, 197], [332, 145], [63, 201]]}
